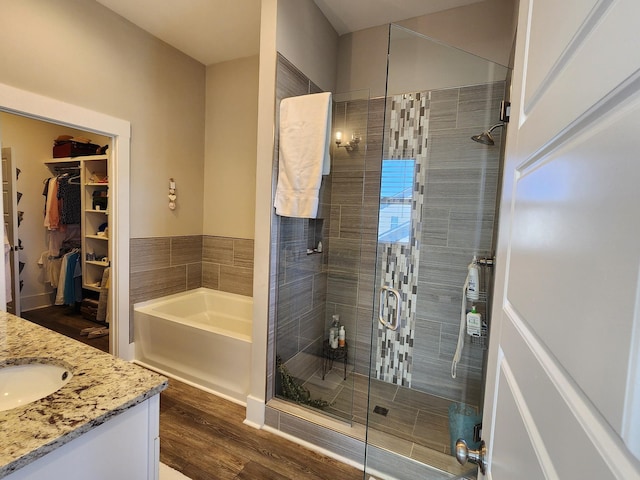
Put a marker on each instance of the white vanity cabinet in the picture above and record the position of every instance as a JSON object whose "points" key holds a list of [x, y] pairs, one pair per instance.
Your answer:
{"points": [[125, 447], [103, 424]]}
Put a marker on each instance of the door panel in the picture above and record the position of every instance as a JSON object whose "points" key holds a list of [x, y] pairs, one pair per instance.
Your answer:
{"points": [[518, 443], [564, 352], [561, 211], [556, 415], [559, 34], [9, 202]]}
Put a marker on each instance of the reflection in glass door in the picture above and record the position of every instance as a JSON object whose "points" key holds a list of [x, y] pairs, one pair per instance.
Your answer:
{"points": [[437, 209]]}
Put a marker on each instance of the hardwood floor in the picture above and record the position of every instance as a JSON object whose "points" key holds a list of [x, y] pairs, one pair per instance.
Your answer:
{"points": [[203, 437], [68, 321]]}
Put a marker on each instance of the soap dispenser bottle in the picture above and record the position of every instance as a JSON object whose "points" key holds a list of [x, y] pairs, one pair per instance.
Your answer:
{"points": [[474, 323], [341, 337]]}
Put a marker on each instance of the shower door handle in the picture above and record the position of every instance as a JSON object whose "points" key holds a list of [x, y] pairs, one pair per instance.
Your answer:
{"points": [[385, 291]]}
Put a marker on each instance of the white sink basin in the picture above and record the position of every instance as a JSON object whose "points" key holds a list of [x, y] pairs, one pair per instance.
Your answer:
{"points": [[26, 383]]}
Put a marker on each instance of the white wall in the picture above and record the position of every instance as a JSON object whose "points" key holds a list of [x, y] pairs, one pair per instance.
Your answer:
{"points": [[79, 52], [230, 148], [263, 209], [486, 29]]}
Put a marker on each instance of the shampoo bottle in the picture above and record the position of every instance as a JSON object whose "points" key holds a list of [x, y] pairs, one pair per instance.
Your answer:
{"points": [[341, 337], [473, 287], [334, 331], [474, 323]]}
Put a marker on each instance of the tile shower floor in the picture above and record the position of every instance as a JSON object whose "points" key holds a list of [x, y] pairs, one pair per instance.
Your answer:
{"points": [[411, 423]]}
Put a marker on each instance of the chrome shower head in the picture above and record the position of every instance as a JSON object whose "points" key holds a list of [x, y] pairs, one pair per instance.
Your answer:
{"points": [[485, 137]]}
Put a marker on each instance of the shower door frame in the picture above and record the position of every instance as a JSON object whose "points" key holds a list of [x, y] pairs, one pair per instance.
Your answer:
{"points": [[377, 457]]}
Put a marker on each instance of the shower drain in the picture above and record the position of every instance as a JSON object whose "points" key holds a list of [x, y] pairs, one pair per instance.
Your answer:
{"points": [[380, 410]]}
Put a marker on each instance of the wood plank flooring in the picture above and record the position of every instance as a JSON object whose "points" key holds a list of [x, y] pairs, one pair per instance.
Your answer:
{"points": [[68, 321], [203, 437]]}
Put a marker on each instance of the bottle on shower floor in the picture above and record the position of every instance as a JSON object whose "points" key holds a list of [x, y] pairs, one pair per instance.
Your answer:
{"points": [[334, 331]]}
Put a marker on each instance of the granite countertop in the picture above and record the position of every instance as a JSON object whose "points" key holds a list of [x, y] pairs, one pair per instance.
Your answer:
{"points": [[102, 386]]}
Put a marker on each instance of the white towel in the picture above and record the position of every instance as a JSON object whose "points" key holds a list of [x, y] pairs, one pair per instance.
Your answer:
{"points": [[305, 136]]}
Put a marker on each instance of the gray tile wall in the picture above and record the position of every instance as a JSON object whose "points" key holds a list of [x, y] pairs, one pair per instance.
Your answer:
{"points": [[227, 264], [298, 280], [308, 289], [166, 265], [163, 266], [354, 222], [460, 203], [460, 198], [459, 213]]}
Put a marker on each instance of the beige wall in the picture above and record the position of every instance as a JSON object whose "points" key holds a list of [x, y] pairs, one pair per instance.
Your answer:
{"points": [[230, 148], [82, 53], [486, 29], [307, 39]]}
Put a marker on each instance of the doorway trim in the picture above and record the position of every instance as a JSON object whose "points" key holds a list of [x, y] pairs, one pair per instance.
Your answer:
{"points": [[39, 107]]}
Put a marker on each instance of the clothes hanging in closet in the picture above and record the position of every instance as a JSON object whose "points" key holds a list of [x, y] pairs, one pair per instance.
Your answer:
{"points": [[62, 202], [69, 196], [62, 211], [70, 280]]}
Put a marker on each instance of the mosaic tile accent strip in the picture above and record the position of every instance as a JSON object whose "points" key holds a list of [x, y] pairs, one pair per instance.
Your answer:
{"points": [[408, 126]]}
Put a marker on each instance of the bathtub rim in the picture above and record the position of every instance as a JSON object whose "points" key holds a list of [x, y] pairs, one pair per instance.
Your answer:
{"points": [[146, 308], [173, 296]]}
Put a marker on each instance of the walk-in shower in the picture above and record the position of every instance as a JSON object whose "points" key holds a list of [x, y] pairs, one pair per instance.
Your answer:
{"points": [[400, 219]]}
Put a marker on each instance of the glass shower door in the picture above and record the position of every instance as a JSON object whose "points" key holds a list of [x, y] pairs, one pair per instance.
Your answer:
{"points": [[437, 207]]}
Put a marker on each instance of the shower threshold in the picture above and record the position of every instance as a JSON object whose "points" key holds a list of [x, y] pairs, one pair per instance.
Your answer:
{"points": [[415, 425]]}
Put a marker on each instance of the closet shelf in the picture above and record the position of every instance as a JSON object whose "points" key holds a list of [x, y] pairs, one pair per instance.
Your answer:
{"points": [[91, 169], [96, 262], [95, 170], [51, 161]]}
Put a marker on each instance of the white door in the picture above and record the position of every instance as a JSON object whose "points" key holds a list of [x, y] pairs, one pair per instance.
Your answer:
{"points": [[9, 283], [9, 201], [563, 393]]}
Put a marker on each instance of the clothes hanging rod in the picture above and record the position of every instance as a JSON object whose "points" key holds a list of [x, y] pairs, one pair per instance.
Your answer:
{"points": [[58, 169]]}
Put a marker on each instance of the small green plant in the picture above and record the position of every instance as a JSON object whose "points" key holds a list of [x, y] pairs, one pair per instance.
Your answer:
{"points": [[293, 390]]}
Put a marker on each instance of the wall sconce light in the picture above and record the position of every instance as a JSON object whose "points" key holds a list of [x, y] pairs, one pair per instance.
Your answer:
{"points": [[350, 145]]}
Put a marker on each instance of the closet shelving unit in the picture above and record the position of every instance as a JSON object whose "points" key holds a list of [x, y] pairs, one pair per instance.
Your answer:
{"points": [[93, 171]]}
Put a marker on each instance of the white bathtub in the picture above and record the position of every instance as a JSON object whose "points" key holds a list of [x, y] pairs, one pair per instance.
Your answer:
{"points": [[201, 337]]}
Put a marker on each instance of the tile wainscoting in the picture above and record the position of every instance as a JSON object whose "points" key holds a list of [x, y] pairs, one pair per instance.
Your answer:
{"points": [[166, 265]]}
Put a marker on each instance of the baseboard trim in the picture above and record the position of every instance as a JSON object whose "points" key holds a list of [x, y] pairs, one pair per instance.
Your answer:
{"points": [[255, 412]]}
